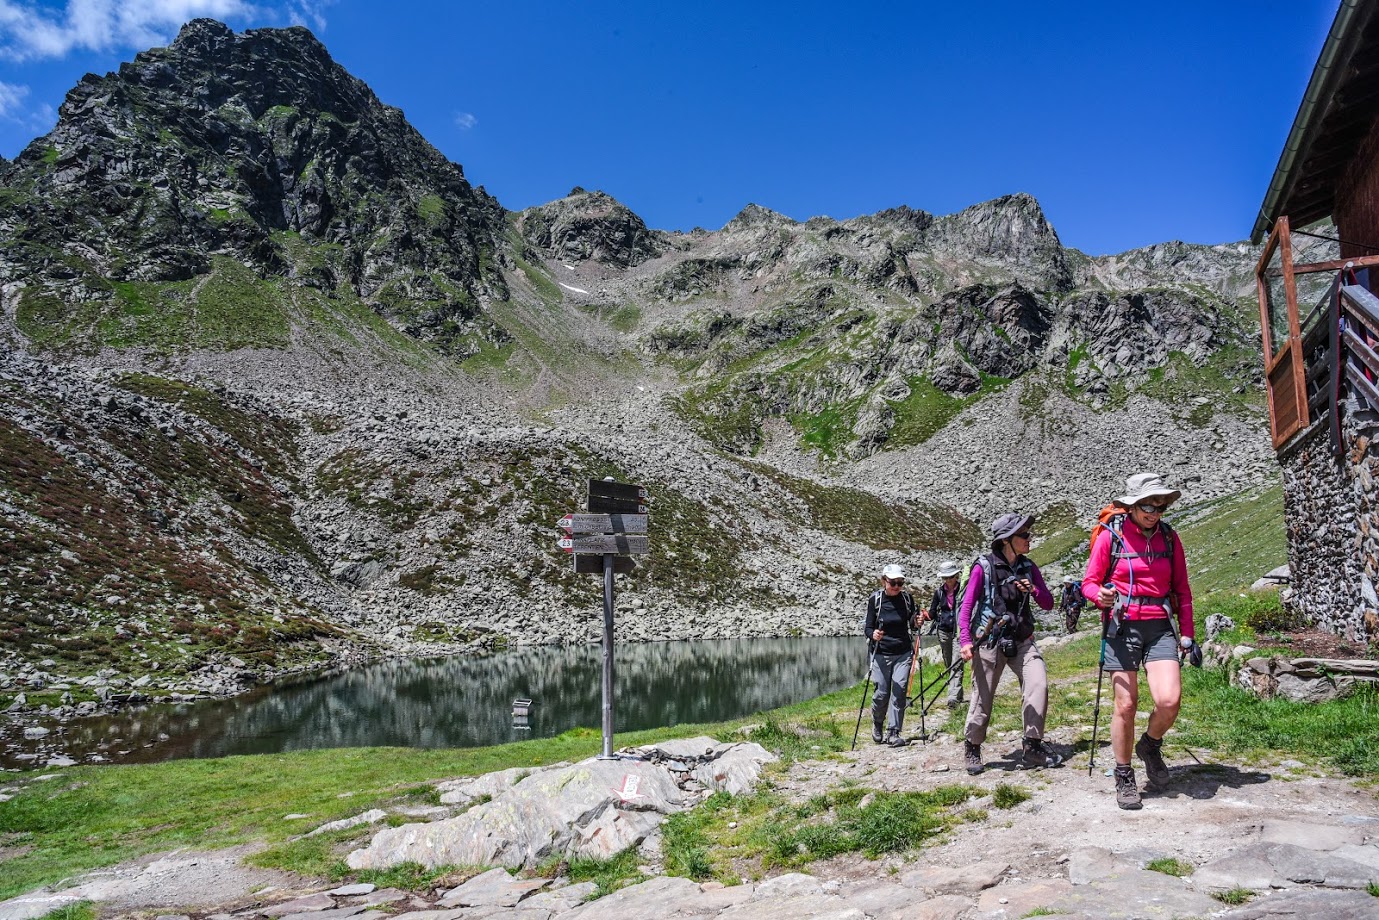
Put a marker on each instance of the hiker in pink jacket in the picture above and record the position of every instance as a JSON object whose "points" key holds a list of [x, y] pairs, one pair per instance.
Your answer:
{"points": [[1137, 575]]}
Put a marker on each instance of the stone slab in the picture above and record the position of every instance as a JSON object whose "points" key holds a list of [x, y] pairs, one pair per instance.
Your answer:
{"points": [[792, 884], [1020, 898], [795, 907], [1138, 895], [879, 898], [312, 902], [943, 907], [1088, 864], [1367, 855], [349, 891], [658, 898], [494, 888], [1308, 904], [968, 880], [1312, 836], [339, 913]]}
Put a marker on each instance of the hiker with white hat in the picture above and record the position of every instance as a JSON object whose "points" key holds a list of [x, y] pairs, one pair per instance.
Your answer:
{"points": [[943, 613], [890, 614], [996, 627], [1071, 603], [1137, 575]]}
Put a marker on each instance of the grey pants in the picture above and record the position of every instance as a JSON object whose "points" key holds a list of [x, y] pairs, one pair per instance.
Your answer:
{"points": [[891, 673], [945, 644], [1028, 665]]}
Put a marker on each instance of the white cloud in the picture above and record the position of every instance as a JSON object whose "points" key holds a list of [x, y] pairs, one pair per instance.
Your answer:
{"points": [[309, 13], [465, 120], [30, 31], [11, 96]]}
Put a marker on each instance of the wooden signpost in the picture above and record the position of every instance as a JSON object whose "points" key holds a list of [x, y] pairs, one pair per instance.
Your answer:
{"points": [[601, 541]]}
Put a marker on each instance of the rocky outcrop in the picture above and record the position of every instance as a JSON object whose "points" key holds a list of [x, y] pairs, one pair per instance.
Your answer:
{"points": [[259, 147], [1306, 680], [590, 226], [591, 810]]}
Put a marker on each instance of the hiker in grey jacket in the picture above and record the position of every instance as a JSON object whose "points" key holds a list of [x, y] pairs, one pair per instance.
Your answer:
{"points": [[890, 615], [943, 613]]}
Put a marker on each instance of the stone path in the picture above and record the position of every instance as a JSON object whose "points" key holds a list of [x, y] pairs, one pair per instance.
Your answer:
{"points": [[1305, 845]]}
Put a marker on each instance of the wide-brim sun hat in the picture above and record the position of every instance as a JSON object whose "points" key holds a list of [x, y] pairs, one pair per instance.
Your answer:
{"points": [[893, 572], [1147, 485], [948, 569], [1009, 524]]}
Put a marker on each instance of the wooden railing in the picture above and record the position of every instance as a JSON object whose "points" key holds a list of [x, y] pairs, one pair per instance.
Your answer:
{"points": [[1339, 336], [1308, 361]]}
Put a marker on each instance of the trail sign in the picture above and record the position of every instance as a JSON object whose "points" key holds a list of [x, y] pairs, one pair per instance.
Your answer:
{"points": [[603, 523], [616, 497], [615, 525], [605, 543], [593, 565]]}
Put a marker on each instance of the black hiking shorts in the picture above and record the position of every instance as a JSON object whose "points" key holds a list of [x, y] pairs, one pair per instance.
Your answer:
{"points": [[1139, 642]]}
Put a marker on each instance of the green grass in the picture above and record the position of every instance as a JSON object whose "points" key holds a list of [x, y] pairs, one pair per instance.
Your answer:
{"points": [[82, 910], [763, 830], [865, 518], [829, 430], [1229, 720], [608, 874], [1234, 897], [1170, 866], [1008, 796], [1061, 534], [1373, 889], [920, 415]]}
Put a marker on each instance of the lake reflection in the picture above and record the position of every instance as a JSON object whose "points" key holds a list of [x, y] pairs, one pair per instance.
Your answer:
{"points": [[467, 702]]}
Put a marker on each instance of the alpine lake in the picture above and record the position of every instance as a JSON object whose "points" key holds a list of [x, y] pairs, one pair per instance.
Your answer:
{"points": [[468, 701]]}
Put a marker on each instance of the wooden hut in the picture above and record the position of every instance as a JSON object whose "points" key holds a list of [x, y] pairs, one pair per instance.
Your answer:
{"points": [[1320, 320]]}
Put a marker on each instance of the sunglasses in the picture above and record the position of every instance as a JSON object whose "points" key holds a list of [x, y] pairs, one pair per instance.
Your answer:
{"points": [[1151, 508], [1023, 535], [894, 582]]}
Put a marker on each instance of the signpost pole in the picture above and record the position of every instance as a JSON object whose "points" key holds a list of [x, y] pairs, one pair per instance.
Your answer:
{"points": [[607, 658]]}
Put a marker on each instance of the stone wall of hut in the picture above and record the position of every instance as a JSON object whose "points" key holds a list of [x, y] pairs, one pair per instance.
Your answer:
{"points": [[1331, 510]]}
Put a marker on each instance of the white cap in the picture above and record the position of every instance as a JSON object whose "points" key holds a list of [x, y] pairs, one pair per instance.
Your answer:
{"points": [[892, 571]]}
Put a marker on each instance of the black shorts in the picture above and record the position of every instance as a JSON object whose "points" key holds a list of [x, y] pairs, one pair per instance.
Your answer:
{"points": [[1139, 642]]}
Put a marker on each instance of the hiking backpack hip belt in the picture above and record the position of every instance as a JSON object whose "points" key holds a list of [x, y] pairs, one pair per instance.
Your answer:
{"points": [[1145, 600]]}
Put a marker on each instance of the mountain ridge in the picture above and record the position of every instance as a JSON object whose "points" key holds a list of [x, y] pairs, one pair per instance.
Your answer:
{"points": [[805, 400]]}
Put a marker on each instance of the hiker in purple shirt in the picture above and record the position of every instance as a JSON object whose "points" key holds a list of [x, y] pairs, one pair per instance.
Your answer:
{"points": [[996, 629]]}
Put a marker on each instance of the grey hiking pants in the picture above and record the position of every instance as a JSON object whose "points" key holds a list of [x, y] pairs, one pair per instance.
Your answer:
{"points": [[891, 674], [1028, 665], [945, 644]]}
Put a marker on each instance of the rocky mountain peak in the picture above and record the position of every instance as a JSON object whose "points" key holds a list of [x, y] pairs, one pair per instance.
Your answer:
{"points": [[1011, 229], [590, 226], [754, 216], [256, 146]]}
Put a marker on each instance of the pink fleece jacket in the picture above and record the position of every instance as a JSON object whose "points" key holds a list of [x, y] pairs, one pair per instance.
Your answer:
{"points": [[1162, 577]]}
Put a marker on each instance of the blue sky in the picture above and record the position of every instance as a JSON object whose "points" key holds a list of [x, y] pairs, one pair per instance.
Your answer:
{"points": [[1131, 123]]}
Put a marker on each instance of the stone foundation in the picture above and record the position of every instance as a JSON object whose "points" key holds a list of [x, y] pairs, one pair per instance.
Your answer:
{"points": [[1331, 512]]}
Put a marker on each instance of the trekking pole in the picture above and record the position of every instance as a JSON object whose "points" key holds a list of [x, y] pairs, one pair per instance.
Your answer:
{"points": [[1101, 673], [923, 731], [943, 678], [866, 685]]}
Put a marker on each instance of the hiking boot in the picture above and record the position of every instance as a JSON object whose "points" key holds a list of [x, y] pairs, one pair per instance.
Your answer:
{"points": [[972, 757], [1035, 754], [1127, 790], [878, 733], [1151, 752], [894, 740]]}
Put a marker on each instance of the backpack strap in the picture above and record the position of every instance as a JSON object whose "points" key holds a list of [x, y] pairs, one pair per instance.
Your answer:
{"points": [[1117, 524]]}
